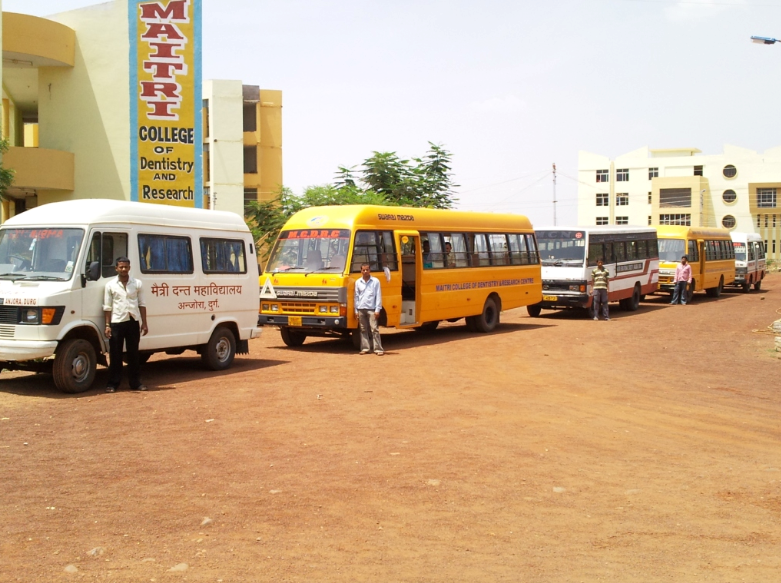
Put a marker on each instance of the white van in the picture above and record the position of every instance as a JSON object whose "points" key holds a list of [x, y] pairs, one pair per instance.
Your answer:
{"points": [[198, 267], [749, 260]]}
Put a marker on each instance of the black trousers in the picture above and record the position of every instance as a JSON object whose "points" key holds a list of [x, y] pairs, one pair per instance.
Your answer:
{"points": [[124, 333]]}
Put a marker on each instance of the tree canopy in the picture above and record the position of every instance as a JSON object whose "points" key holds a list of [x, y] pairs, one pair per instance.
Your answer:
{"points": [[383, 179]]}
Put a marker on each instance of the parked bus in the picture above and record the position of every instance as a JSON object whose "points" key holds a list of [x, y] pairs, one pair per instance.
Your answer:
{"points": [[711, 256], [308, 284], [749, 260], [569, 255]]}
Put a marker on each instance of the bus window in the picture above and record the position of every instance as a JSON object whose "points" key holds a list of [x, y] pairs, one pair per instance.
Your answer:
{"points": [[631, 250], [366, 249], [642, 249], [480, 255], [694, 252], [515, 249], [531, 244], [619, 247], [458, 249], [436, 257], [498, 244]]}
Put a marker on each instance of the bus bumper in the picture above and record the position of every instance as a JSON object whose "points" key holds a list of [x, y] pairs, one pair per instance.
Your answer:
{"points": [[554, 301], [305, 321]]}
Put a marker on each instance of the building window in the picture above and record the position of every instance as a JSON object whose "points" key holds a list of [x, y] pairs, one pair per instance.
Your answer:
{"points": [[676, 219], [653, 173], [650, 198], [250, 117], [207, 199], [730, 171], [622, 199], [649, 219], [766, 197], [675, 197], [766, 221], [622, 220], [603, 199], [728, 222], [622, 175], [758, 220], [774, 220], [729, 196], [205, 118], [251, 160], [602, 221], [250, 195], [602, 175], [698, 170]]}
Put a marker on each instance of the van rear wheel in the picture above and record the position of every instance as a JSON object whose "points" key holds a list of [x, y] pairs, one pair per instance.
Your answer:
{"points": [[292, 338], [74, 366], [758, 285], [219, 352]]}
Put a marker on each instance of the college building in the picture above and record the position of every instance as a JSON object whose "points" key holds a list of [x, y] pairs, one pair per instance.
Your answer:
{"points": [[107, 101], [737, 190]]}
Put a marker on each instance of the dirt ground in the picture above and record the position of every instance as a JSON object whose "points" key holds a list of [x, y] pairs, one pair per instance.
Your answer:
{"points": [[647, 448]]}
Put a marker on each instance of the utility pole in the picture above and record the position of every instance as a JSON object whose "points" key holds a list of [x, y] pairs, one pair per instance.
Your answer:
{"points": [[554, 194]]}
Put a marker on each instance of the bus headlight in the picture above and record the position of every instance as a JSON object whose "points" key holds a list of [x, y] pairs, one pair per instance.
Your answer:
{"points": [[334, 309], [323, 309], [274, 308], [264, 307]]}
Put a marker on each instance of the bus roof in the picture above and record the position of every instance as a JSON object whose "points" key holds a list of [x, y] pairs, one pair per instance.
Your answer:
{"points": [[684, 232], [602, 230], [89, 211], [394, 217], [745, 237]]}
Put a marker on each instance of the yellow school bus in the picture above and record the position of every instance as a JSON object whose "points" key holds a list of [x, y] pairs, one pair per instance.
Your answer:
{"points": [[433, 265], [711, 256]]}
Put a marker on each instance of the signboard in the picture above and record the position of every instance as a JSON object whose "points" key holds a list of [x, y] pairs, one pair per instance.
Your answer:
{"points": [[166, 141]]}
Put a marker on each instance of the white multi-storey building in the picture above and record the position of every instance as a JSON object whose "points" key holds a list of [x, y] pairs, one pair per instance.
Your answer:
{"points": [[738, 189]]}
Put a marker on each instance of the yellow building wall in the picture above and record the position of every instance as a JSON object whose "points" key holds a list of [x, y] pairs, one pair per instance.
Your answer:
{"points": [[270, 146], [88, 112], [701, 209]]}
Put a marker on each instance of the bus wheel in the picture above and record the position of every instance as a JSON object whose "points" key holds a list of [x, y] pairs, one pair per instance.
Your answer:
{"points": [[631, 304], [715, 292], [355, 338], [534, 310], [219, 351], [75, 366], [758, 285], [487, 321], [427, 326], [292, 338]]}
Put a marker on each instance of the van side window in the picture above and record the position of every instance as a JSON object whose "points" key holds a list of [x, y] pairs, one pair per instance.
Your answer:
{"points": [[165, 254], [105, 248], [223, 256]]}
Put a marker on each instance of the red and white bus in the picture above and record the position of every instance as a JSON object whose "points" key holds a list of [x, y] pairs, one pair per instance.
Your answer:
{"points": [[569, 254]]}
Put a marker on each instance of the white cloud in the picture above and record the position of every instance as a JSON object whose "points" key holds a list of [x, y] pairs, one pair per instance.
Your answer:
{"points": [[505, 104], [697, 10]]}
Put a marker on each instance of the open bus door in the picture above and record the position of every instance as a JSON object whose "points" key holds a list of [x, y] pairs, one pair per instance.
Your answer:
{"points": [[408, 243]]}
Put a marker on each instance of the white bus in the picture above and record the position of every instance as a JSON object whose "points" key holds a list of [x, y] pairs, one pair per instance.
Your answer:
{"points": [[749, 260], [569, 254]]}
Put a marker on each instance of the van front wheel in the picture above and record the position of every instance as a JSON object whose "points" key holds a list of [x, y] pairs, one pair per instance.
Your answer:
{"points": [[74, 366], [219, 352]]}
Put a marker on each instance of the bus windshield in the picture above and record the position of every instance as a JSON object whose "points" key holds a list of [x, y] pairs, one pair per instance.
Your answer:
{"points": [[562, 247], [310, 251], [39, 254], [740, 251], [671, 250]]}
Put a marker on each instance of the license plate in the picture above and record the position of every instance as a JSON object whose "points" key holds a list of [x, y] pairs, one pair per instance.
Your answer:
{"points": [[550, 299], [294, 321]]}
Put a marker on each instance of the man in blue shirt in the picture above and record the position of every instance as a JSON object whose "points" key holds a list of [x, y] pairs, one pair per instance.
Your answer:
{"points": [[368, 304]]}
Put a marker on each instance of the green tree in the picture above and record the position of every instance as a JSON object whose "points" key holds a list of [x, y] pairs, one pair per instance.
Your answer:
{"points": [[6, 174]]}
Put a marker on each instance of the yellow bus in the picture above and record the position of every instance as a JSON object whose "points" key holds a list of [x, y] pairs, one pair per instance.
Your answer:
{"points": [[433, 265], [711, 256]]}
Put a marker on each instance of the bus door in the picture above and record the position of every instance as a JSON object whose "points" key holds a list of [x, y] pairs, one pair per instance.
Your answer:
{"points": [[408, 244]]}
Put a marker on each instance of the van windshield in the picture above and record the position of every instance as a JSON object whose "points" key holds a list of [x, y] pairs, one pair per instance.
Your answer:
{"points": [[310, 250], [33, 253], [740, 251], [562, 247]]}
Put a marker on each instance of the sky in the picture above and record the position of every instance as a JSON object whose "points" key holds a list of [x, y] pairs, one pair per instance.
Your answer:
{"points": [[508, 87]]}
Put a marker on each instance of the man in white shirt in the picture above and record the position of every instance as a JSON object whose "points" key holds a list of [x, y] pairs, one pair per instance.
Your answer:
{"points": [[368, 305], [124, 308]]}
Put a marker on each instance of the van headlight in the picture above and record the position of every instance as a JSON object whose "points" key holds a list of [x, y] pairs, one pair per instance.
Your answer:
{"points": [[42, 315], [31, 316]]}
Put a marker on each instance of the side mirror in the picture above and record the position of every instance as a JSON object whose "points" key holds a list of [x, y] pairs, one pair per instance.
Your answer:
{"points": [[93, 272]]}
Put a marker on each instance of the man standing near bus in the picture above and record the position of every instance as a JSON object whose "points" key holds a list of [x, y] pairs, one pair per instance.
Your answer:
{"points": [[125, 313], [368, 304], [683, 277], [600, 278]]}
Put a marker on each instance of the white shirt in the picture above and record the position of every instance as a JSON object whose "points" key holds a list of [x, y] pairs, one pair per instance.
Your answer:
{"points": [[368, 295], [123, 302]]}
